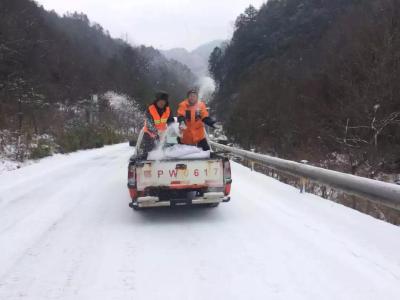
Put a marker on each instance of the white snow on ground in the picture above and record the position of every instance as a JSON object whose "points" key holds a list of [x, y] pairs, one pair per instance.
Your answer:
{"points": [[66, 232], [10, 165]]}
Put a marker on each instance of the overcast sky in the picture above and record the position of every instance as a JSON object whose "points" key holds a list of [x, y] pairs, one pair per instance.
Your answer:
{"points": [[163, 24]]}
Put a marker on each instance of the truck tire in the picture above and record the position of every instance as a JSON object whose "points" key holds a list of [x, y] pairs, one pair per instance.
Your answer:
{"points": [[134, 206], [137, 208]]}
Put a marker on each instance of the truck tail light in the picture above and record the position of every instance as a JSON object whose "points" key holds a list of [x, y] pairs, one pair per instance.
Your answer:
{"points": [[227, 170], [132, 182], [227, 177], [227, 189], [133, 193], [132, 175]]}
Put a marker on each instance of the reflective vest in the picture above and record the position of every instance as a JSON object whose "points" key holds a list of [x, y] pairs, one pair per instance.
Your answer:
{"points": [[194, 115], [160, 122]]}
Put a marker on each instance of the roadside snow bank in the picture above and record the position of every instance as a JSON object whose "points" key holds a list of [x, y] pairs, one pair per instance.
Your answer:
{"points": [[10, 165]]}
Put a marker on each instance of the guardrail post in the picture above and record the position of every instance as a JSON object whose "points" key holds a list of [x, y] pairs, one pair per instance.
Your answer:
{"points": [[323, 192], [252, 162], [303, 180], [302, 185]]}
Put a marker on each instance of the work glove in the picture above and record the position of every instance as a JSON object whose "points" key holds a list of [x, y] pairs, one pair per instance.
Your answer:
{"points": [[182, 126], [217, 126], [162, 135]]}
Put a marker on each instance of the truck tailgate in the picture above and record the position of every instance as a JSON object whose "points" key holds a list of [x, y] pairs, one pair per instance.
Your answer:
{"points": [[178, 174]]}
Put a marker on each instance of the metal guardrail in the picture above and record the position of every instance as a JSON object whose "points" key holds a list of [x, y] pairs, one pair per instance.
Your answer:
{"points": [[384, 193]]}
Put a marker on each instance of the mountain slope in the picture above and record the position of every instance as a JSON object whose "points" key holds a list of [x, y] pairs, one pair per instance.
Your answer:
{"points": [[312, 79], [50, 66], [196, 60]]}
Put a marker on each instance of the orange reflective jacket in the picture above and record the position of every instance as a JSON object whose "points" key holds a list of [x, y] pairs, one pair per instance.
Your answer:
{"points": [[160, 122], [194, 115]]}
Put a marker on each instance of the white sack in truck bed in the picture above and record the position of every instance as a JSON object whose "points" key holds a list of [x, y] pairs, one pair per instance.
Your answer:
{"points": [[178, 152]]}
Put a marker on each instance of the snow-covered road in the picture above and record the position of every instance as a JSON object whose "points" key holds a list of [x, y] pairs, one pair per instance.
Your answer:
{"points": [[66, 232]]}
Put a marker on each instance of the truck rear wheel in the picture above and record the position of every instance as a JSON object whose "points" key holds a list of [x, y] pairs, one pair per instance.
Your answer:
{"points": [[134, 206]]}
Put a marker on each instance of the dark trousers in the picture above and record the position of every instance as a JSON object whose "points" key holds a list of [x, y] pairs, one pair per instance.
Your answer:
{"points": [[148, 144], [201, 144]]}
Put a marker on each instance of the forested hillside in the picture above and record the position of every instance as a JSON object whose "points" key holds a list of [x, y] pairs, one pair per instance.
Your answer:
{"points": [[50, 66], [316, 80]]}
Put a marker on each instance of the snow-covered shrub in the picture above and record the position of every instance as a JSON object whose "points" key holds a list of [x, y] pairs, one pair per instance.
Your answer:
{"points": [[42, 146]]}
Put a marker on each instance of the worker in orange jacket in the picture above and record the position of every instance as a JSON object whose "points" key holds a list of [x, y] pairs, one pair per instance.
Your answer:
{"points": [[192, 115], [157, 118]]}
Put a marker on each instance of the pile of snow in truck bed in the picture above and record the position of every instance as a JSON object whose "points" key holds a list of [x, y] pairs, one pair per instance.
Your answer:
{"points": [[178, 151]]}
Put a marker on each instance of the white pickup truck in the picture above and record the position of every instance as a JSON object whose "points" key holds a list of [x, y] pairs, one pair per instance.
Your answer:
{"points": [[178, 181]]}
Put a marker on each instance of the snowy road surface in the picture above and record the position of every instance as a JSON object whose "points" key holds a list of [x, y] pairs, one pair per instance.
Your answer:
{"points": [[66, 232]]}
